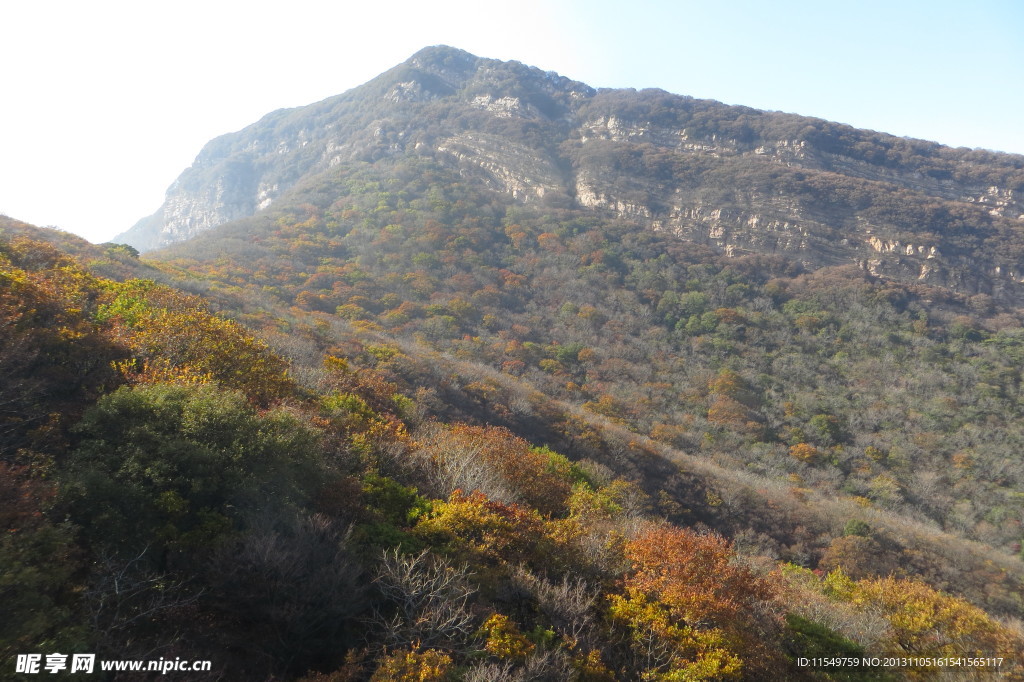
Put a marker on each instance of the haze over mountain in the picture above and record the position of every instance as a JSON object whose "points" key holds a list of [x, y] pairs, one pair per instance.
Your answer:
{"points": [[737, 179]]}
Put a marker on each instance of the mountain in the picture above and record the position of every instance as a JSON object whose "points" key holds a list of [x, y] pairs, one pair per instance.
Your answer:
{"points": [[475, 398], [734, 178], [799, 366]]}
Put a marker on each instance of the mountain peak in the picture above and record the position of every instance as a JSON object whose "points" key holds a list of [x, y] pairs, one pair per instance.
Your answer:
{"points": [[438, 55], [442, 64]]}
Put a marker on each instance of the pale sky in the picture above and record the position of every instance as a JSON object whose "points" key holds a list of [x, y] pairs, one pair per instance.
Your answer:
{"points": [[105, 102]]}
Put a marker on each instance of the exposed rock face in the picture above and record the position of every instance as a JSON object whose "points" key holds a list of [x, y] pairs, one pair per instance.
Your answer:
{"points": [[503, 165], [734, 178]]}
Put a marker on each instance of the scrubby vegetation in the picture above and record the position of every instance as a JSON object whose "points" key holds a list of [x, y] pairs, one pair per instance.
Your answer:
{"points": [[832, 380], [380, 509], [404, 426]]}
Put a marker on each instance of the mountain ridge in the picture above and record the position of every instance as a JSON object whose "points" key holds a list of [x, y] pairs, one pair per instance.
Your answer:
{"points": [[739, 179]]}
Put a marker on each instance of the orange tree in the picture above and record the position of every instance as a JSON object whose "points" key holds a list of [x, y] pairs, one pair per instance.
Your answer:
{"points": [[691, 611]]}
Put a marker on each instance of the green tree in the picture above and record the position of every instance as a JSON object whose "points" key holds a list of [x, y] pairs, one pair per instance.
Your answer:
{"points": [[170, 466]]}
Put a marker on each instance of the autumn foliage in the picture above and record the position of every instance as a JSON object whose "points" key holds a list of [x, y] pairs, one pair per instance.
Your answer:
{"points": [[712, 616], [356, 511]]}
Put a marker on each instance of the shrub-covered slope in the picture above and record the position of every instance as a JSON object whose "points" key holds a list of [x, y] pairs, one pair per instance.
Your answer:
{"points": [[199, 495], [905, 398]]}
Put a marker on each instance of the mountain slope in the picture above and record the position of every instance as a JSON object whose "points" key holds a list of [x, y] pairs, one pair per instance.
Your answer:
{"points": [[515, 379], [901, 400], [734, 178], [271, 515], [737, 300]]}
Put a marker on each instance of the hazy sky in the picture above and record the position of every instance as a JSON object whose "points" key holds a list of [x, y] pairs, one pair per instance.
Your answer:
{"points": [[104, 103]]}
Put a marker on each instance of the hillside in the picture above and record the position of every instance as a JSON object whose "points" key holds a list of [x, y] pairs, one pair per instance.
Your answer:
{"points": [[477, 373], [832, 379], [205, 497], [734, 178]]}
